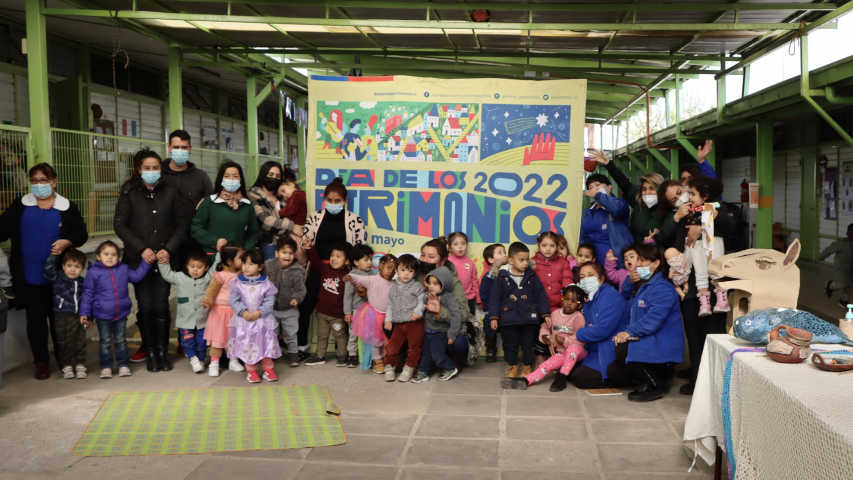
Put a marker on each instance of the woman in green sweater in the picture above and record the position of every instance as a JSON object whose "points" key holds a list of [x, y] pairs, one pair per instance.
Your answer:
{"points": [[227, 215]]}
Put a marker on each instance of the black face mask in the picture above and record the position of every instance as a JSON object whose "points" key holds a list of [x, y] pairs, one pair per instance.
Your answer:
{"points": [[427, 267], [272, 183]]}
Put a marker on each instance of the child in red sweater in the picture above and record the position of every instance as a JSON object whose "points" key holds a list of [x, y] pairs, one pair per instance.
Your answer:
{"points": [[330, 302], [295, 210], [466, 269], [555, 273]]}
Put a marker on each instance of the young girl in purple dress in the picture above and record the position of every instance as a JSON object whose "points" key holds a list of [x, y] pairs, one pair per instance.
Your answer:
{"points": [[252, 335]]}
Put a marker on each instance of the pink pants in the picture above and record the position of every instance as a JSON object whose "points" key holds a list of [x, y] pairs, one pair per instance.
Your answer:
{"points": [[266, 362], [564, 361]]}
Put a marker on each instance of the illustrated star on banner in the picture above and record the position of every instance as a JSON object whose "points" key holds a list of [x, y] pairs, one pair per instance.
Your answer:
{"points": [[557, 115], [506, 114], [495, 132], [542, 120], [508, 141]]}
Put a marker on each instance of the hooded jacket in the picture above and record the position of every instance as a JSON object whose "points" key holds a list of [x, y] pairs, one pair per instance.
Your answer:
{"points": [[448, 301], [487, 282], [610, 221], [555, 273], [192, 183], [290, 283], [456, 289], [105, 293], [190, 292], [656, 321], [606, 314], [518, 304], [404, 299], [66, 292]]}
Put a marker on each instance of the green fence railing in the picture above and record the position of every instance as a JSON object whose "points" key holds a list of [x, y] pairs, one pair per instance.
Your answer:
{"points": [[16, 146]]}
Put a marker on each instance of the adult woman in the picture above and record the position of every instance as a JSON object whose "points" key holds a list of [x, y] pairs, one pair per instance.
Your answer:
{"points": [[605, 313], [643, 197], [323, 228], [656, 336], [227, 215], [153, 222], [605, 224], [40, 224], [263, 196]]}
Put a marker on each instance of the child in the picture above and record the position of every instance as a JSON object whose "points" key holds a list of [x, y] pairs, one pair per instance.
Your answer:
{"points": [[843, 250], [330, 302], [361, 259], [518, 300], [555, 274], [563, 249], [369, 319], [295, 210], [679, 270], [702, 252], [67, 293], [586, 253], [106, 301], [559, 336], [405, 309], [192, 316], [217, 299], [439, 332], [494, 256], [466, 269], [617, 276], [252, 332], [288, 277]]}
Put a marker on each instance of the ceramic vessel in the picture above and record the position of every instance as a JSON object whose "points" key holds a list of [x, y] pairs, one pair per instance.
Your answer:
{"points": [[842, 363], [792, 348]]}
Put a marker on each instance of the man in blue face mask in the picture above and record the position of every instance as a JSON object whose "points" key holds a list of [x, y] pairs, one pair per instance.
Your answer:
{"points": [[194, 184]]}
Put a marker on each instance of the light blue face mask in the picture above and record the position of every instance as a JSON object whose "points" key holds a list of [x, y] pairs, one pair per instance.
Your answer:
{"points": [[180, 157], [589, 285], [334, 208], [41, 191], [151, 177], [645, 272], [231, 186]]}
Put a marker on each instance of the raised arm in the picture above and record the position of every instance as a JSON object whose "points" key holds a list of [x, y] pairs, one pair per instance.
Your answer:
{"points": [[136, 275], [615, 206]]}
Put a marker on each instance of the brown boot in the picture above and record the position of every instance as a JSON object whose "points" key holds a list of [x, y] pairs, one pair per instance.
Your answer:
{"points": [[525, 371], [42, 371], [379, 366], [512, 371]]}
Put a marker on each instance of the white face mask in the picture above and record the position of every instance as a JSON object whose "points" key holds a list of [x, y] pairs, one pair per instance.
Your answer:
{"points": [[650, 200], [684, 198]]}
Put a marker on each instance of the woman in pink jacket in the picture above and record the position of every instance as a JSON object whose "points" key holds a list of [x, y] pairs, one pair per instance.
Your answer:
{"points": [[466, 269]]}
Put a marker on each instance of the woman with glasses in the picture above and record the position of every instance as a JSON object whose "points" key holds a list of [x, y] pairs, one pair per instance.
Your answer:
{"points": [[40, 224]]}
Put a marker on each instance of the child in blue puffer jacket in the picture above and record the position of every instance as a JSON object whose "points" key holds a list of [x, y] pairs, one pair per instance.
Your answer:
{"points": [[67, 292], [106, 301]]}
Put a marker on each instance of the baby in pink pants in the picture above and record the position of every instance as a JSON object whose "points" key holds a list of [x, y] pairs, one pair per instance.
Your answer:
{"points": [[566, 350]]}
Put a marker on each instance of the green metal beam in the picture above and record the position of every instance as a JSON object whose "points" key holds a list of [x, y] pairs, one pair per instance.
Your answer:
{"points": [[666, 163], [656, 83], [476, 26], [807, 93], [38, 84], [301, 145], [251, 128], [533, 7], [607, 43], [696, 35], [636, 161], [176, 102], [616, 90], [764, 177]]}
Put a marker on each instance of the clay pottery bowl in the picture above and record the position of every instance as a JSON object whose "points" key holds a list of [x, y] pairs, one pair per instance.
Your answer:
{"points": [[843, 362], [792, 348]]}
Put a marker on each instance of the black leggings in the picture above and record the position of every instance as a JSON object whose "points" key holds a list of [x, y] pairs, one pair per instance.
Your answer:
{"points": [[40, 321], [697, 328], [621, 371], [306, 308], [585, 378]]}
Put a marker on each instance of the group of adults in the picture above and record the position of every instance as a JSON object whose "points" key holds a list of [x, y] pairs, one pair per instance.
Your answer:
{"points": [[642, 339]]}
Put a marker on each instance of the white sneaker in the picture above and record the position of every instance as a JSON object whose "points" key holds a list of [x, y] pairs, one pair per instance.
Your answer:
{"points": [[234, 366], [81, 371], [124, 372], [68, 372], [106, 373], [390, 374], [406, 375], [198, 367], [213, 369]]}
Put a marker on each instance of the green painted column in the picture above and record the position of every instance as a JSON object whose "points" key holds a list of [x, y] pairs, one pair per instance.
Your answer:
{"points": [[285, 159], [301, 145], [764, 177], [176, 97], [251, 129], [809, 214], [38, 84]]}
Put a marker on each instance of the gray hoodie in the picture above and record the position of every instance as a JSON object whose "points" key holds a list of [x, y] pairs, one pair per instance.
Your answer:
{"points": [[353, 300], [448, 301], [404, 299]]}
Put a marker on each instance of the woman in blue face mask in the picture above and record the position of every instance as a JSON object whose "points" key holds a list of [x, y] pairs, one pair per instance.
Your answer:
{"points": [[39, 224], [652, 343], [330, 224], [153, 222], [227, 215]]}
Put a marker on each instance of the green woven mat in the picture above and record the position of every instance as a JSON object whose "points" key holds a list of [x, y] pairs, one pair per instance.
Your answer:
{"points": [[213, 420]]}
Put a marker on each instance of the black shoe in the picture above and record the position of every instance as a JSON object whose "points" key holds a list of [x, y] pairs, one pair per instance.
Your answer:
{"points": [[646, 393], [7, 292], [315, 360], [687, 389], [303, 355], [827, 288], [683, 374], [294, 359], [559, 383], [146, 330], [163, 329], [514, 383], [341, 362], [491, 356], [352, 362]]}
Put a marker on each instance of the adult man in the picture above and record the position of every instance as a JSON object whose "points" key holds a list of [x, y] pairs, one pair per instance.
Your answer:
{"points": [[194, 184]]}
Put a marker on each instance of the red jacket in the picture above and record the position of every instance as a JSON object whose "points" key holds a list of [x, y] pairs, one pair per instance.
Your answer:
{"points": [[296, 209], [555, 273]]}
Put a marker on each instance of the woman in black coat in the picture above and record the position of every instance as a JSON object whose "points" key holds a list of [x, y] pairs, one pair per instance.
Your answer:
{"points": [[153, 223], [40, 224]]}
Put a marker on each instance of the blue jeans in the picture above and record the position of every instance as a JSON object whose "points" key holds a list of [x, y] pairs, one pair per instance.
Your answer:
{"points": [[193, 342], [435, 350], [112, 332], [460, 346], [267, 250]]}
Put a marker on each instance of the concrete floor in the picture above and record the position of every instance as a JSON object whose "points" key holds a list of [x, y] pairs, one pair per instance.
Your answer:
{"points": [[467, 428]]}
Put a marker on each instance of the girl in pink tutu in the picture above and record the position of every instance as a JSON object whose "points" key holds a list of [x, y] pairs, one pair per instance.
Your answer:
{"points": [[217, 299], [252, 335], [368, 321], [559, 335]]}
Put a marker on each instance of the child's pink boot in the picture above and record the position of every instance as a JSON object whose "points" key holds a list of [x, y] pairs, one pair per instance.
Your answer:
{"points": [[722, 305], [270, 376], [704, 304], [253, 377]]}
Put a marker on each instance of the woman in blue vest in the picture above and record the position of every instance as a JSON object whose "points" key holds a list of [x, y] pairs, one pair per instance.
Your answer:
{"points": [[605, 314], [652, 343], [605, 223]]}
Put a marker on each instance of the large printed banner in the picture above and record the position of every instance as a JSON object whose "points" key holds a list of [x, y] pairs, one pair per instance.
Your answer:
{"points": [[500, 160]]}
